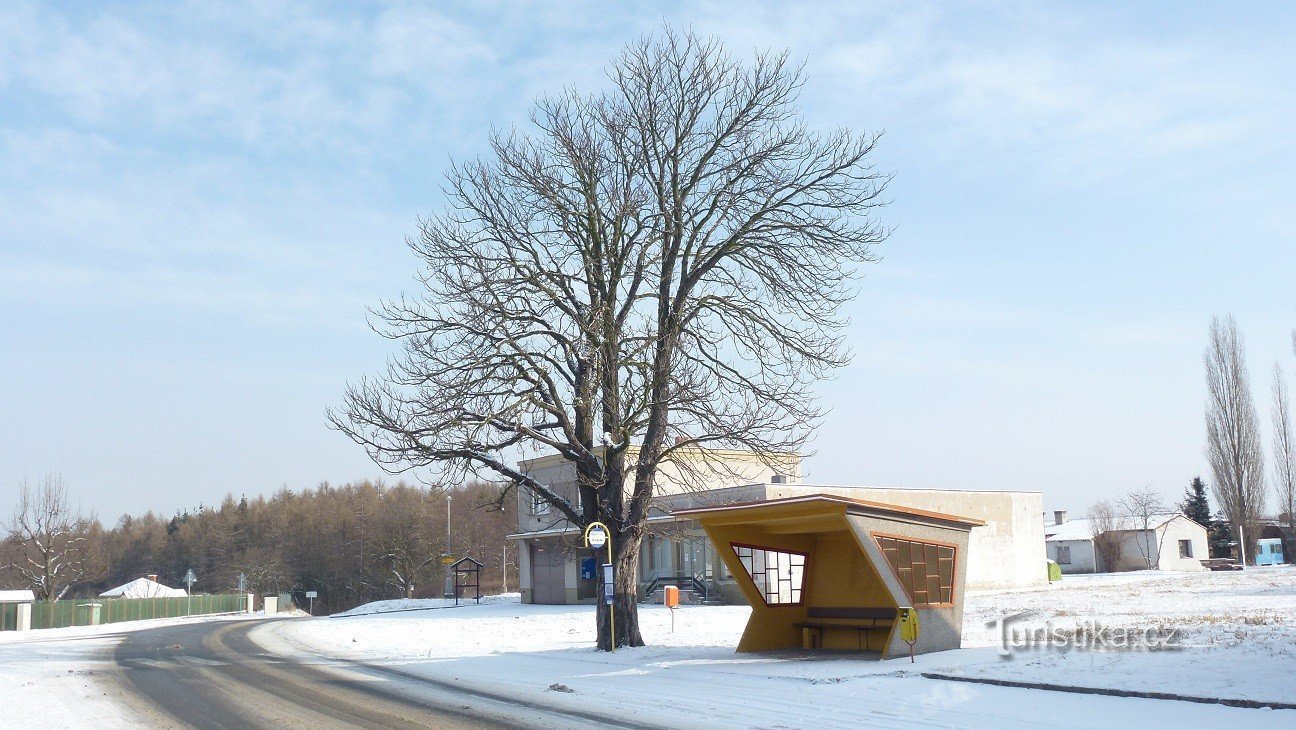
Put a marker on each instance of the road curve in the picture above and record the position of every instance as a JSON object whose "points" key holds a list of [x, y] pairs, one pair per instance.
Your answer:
{"points": [[212, 675]]}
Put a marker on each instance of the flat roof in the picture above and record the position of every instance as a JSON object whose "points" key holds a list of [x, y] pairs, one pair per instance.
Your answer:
{"points": [[17, 596], [853, 506], [898, 489]]}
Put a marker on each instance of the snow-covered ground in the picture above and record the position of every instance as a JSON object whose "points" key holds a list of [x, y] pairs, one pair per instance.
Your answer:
{"points": [[1236, 631], [420, 604], [58, 678]]}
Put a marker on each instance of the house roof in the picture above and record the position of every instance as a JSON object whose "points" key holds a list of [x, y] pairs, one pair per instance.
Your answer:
{"points": [[20, 596], [1082, 528], [143, 588], [1079, 529]]}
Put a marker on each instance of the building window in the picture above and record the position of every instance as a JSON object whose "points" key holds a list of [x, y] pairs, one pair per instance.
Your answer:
{"points": [[539, 505], [925, 569], [778, 574], [1185, 548], [1063, 553]]}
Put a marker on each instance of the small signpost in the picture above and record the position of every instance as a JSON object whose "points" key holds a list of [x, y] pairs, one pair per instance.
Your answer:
{"points": [[596, 536], [448, 560], [310, 596], [190, 579], [242, 584]]}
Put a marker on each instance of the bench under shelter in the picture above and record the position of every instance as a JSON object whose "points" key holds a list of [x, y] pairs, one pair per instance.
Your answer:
{"points": [[828, 572]]}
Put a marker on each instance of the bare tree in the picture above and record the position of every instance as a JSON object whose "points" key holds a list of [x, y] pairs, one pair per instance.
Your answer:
{"points": [[1105, 523], [408, 541], [1284, 446], [659, 268], [50, 548], [1233, 430], [1141, 509]]}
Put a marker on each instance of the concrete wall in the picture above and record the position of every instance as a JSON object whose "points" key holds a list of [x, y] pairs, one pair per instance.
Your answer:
{"points": [[524, 569], [939, 627], [1083, 558], [1007, 552]]}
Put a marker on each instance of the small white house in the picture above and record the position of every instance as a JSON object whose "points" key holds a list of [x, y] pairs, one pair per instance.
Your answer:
{"points": [[1170, 542], [1070, 544], [147, 587]]}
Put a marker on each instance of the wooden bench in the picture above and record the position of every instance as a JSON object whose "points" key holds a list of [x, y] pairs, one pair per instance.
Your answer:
{"points": [[863, 621]]}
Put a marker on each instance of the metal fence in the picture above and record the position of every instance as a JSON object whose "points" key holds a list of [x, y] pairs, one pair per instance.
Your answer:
{"points": [[57, 614]]}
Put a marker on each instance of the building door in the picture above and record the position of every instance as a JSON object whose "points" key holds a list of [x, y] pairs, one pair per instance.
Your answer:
{"points": [[548, 574], [693, 557]]}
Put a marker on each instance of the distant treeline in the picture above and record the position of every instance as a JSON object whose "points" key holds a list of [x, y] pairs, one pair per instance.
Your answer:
{"points": [[352, 544]]}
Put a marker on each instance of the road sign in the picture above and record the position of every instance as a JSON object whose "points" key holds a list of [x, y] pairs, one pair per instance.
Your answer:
{"points": [[190, 578], [447, 559], [242, 582], [597, 537], [311, 594]]}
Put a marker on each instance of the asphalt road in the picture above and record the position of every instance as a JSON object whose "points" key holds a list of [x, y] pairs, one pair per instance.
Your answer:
{"points": [[212, 675]]}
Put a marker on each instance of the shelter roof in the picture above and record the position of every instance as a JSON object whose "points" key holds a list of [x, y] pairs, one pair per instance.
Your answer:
{"points": [[846, 505]]}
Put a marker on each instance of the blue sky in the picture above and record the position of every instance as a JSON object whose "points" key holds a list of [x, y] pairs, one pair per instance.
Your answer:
{"points": [[197, 204]]}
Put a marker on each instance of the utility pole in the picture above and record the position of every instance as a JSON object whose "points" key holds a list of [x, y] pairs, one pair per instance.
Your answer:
{"points": [[504, 567]]}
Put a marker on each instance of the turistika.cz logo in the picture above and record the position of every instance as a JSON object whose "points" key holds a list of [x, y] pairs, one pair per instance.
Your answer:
{"points": [[1079, 635]]}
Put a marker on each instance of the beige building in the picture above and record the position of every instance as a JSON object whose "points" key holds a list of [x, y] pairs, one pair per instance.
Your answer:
{"points": [[1006, 552]]}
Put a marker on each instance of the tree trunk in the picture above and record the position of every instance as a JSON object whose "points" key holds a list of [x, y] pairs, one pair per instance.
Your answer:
{"points": [[625, 555]]}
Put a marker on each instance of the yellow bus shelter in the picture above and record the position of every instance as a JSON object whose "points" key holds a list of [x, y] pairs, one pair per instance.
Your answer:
{"points": [[828, 572]]}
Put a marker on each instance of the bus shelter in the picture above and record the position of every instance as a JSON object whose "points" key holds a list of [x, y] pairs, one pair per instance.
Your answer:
{"points": [[828, 572]]}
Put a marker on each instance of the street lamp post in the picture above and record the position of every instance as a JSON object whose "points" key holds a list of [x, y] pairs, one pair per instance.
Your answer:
{"points": [[449, 579]]}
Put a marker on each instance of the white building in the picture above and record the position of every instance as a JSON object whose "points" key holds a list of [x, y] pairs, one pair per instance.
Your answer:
{"points": [[1008, 551], [1170, 542]]}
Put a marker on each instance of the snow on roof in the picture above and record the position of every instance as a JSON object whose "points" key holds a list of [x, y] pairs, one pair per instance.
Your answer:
{"points": [[1070, 530], [23, 596], [143, 588], [1082, 529]]}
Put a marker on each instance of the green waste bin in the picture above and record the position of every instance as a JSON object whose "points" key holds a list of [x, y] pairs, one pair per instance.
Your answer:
{"points": [[1054, 571]]}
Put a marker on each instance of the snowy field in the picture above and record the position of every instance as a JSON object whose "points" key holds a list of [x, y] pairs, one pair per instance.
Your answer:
{"points": [[1237, 633]]}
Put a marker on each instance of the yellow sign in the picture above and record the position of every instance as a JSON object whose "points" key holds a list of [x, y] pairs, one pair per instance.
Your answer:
{"points": [[447, 560], [908, 625]]}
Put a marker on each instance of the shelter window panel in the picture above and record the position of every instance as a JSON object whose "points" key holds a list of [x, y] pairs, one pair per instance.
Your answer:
{"points": [[926, 570], [779, 575]]}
